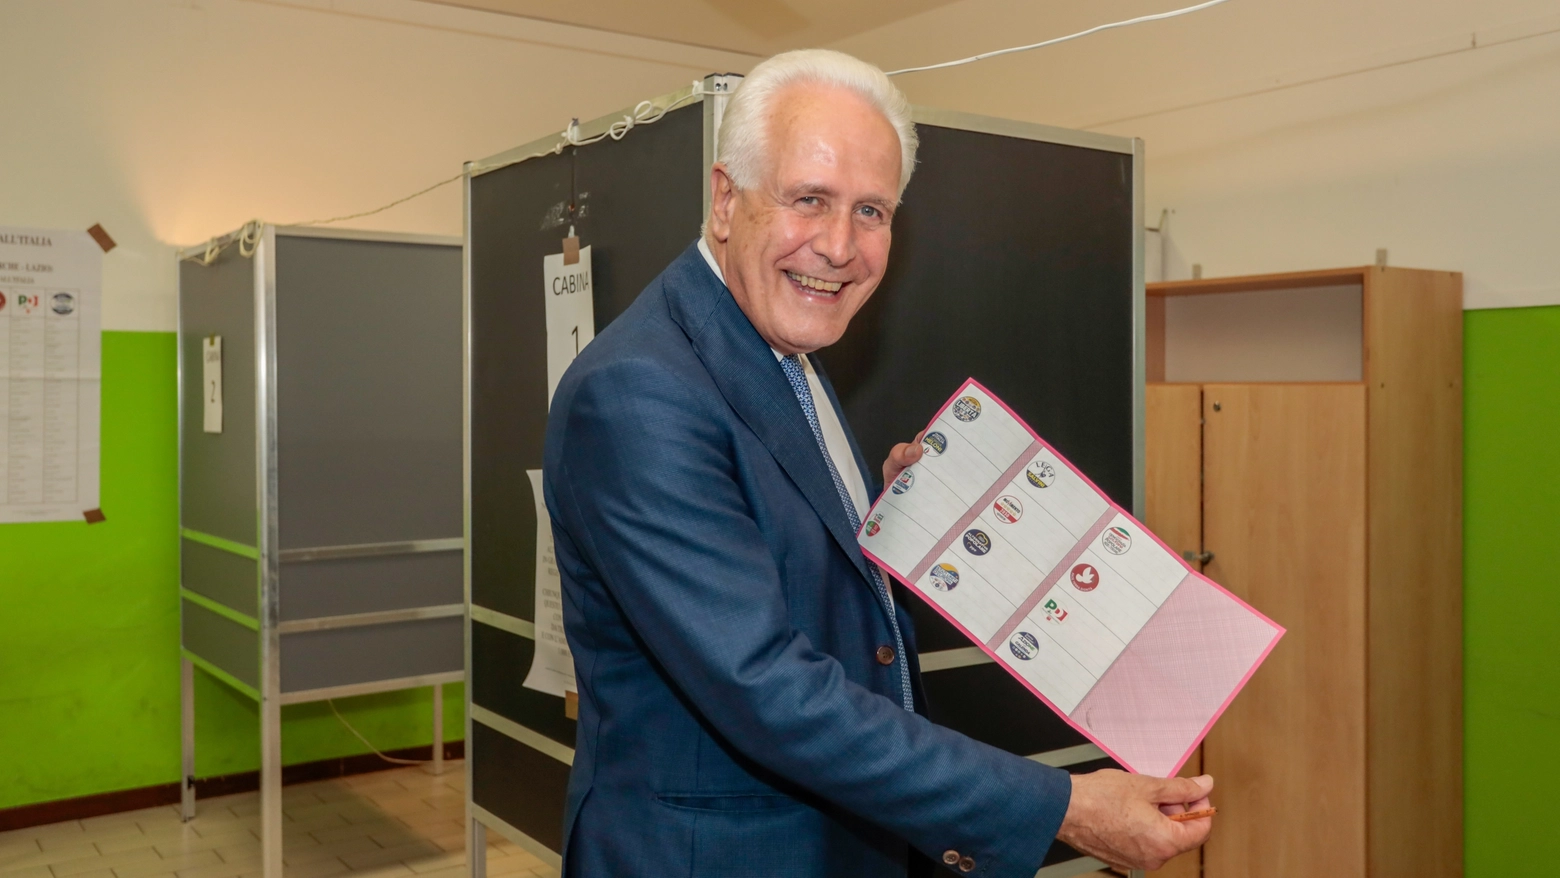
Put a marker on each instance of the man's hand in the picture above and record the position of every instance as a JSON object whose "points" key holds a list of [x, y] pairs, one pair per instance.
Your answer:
{"points": [[900, 458], [1120, 818]]}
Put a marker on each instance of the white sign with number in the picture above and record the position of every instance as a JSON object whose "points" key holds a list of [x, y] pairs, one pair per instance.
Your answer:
{"points": [[571, 321], [211, 372]]}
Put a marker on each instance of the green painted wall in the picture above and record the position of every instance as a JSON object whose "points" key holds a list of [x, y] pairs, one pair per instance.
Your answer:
{"points": [[89, 637], [1511, 635]]}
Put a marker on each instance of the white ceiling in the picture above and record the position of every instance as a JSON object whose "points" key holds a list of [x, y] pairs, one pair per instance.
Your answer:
{"points": [[755, 27]]}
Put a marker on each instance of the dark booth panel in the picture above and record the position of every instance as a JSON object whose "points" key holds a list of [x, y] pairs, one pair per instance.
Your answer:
{"points": [[345, 656], [509, 234], [522, 787], [1012, 264], [341, 586], [221, 641], [965, 700], [368, 374], [499, 661], [231, 580], [217, 486], [637, 205]]}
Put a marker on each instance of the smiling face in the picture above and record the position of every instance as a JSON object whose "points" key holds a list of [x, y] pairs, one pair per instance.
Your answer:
{"points": [[803, 248]]}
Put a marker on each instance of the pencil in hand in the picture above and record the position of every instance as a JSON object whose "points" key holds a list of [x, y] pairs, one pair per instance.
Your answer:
{"points": [[1193, 815]]}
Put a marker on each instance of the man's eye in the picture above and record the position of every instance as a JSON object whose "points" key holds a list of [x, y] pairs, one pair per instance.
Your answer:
{"points": [[809, 200], [868, 210]]}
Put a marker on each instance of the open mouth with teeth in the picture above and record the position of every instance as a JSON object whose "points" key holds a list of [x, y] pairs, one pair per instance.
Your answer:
{"points": [[814, 285]]}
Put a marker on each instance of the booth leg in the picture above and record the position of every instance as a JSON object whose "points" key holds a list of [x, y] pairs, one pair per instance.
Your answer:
{"points": [[476, 849], [186, 740], [438, 728], [271, 787]]}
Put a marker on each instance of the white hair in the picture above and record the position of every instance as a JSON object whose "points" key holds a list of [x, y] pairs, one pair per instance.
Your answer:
{"points": [[744, 128]]}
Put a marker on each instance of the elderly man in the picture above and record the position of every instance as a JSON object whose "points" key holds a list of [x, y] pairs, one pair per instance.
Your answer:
{"points": [[750, 701]]}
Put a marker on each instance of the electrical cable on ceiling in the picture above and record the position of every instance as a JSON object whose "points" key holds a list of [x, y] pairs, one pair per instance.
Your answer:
{"points": [[1158, 16], [647, 113]]}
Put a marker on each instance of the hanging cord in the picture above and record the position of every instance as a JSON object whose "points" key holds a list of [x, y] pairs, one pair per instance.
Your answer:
{"points": [[332, 703], [247, 238], [1159, 16]]}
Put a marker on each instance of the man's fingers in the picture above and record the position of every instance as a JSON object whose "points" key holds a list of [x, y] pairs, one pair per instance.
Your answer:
{"points": [[1181, 790]]}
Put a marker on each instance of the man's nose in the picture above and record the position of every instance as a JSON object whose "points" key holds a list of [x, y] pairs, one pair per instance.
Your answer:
{"points": [[836, 240]]}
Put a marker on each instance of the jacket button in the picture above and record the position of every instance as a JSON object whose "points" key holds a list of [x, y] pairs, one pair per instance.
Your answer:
{"points": [[951, 858], [885, 656], [966, 864]]}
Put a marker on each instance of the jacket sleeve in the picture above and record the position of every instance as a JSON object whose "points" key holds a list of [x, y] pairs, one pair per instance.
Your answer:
{"points": [[644, 483]]}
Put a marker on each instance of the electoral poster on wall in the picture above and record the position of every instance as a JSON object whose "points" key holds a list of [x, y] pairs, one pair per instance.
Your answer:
{"points": [[50, 374]]}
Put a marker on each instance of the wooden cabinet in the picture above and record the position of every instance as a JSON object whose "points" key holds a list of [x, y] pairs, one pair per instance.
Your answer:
{"points": [[1332, 503]]}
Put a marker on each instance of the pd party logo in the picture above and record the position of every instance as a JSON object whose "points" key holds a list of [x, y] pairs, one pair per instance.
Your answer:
{"points": [[1040, 474], [28, 303], [945, 577], [874, 524], [976, 542], [903, 483], [1116, 540], [934, 444], [1024, 645], [966, 408], [1084, 577], [1008, 509], [1054, 612]]}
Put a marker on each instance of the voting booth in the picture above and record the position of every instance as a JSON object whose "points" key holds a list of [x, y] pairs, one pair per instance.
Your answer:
{"points": [[320, 475], [1017, 260]]}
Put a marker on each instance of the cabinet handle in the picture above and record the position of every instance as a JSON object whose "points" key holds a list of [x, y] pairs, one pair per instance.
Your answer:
{"points": [[1199, 557]]}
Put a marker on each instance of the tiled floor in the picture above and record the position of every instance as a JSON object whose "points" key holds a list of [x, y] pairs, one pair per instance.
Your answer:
{"points": [[403, 822]]}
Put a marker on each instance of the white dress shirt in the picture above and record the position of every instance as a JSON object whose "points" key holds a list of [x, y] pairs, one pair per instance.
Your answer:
{"points": [[828, 418]]}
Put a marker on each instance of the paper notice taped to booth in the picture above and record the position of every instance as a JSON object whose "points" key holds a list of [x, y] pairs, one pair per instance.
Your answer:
{"points": [[1063, 588], [552, 668], [571, 314]]}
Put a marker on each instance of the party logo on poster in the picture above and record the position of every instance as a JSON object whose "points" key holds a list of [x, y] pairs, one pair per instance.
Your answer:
{"points": [[1024, 645], [1084, 577], [1008, 509], [1054, 612], [903, 483], [874, 524], [945, 577], [976, 542], [934, 444], [1117, 540], [63, 304], [1040, 474], [966, 408]]}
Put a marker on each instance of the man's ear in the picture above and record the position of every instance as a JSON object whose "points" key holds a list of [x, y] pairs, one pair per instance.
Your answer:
{"points": [[723, 202]]}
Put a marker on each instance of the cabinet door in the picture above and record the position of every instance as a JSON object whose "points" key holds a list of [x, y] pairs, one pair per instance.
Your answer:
{"points": [[1173, 501], [1284, 516]]}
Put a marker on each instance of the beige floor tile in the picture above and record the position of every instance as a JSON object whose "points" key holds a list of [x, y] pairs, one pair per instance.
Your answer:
{"points": [[24, 859], [167, 865], [330, 851], [31, 872], [390, 870], [399, 853], [16, 847], [37, 833], [104, 873], [98, 862], [431, 864], [240, 836], [354, 830], [404, 804], [250, 865], [456, 871], [509, 866], [319, 869]]}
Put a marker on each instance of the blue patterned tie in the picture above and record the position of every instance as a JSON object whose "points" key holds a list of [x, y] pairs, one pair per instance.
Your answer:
{"points": [[797, 375]]}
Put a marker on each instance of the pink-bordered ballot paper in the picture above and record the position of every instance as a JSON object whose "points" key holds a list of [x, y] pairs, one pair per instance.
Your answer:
{"points": [[1063, 588]]}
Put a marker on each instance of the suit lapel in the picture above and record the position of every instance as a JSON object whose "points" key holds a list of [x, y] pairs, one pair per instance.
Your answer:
{"points": [[744, 368]]}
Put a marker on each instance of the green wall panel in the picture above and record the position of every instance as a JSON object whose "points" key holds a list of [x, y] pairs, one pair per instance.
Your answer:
{"points": [[1511, 536], [89, 661]]}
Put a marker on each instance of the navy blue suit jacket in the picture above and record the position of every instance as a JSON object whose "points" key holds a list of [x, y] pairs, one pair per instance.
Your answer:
{"points": [[733, 717]]}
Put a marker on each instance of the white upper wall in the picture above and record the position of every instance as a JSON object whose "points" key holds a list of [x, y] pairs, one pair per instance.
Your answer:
{"points": [[1288, 135], [169, 122]]}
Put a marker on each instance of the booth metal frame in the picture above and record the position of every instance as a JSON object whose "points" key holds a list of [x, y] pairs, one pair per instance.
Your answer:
{"points": [[268, 555], [713, 93]]}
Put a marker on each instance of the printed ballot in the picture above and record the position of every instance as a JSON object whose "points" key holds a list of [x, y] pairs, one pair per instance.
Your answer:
{"points": [[1077, 600]]}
